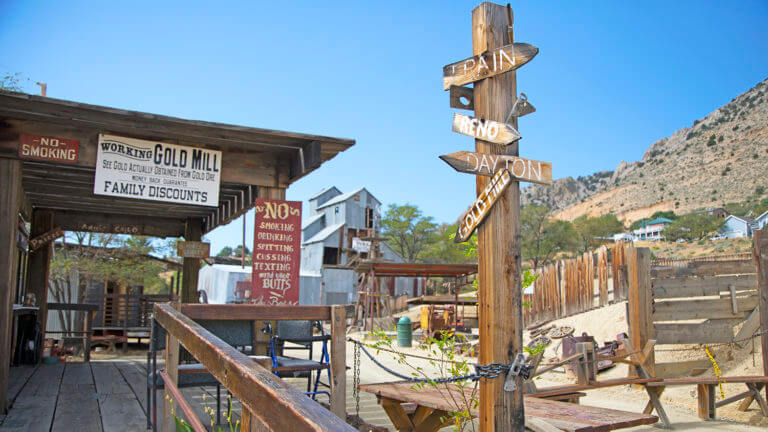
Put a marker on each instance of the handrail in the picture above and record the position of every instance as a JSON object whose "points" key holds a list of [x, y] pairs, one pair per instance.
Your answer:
{"points": [[238, 312], [189, 413], [274, 402]]}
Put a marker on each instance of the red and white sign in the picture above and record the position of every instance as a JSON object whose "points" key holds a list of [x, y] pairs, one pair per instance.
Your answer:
{"points": [[48, 148], [276, 252]]}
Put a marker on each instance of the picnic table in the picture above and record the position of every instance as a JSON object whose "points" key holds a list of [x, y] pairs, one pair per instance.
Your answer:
{"points": [[433, 405]]}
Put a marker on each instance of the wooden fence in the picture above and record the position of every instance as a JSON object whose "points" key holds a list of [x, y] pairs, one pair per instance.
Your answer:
{"points": [[576, 285], [268, 403]]}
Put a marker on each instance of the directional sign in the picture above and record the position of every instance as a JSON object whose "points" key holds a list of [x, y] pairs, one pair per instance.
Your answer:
{"points": [[482, 206], [462, 97], [488, 64], [486, 130], [44, 239], [489, 164]]}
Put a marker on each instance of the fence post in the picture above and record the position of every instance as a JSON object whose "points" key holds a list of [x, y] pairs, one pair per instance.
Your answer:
{"points": [[760, 254], [602, 274], [640, 302], [338, 361], [172, 369]]}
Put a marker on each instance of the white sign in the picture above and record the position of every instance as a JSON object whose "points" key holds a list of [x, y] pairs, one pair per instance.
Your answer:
{"points": [[360, 245], [139, 169]]}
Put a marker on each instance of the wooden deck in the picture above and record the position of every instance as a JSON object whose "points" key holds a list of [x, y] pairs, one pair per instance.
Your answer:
{"points": [[110, 396]]}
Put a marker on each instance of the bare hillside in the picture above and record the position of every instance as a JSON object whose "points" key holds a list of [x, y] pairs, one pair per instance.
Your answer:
{"points": [[721, 158]]}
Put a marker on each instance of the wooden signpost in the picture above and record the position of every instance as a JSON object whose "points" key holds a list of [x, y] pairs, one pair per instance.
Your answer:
{"points": [[496, 212], [489, 164], [44, 239], [482, 205], [488, 130], [487, 64]]}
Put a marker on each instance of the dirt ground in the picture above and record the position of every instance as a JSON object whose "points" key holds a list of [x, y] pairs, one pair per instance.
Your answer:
{"points": [[605, 324]]}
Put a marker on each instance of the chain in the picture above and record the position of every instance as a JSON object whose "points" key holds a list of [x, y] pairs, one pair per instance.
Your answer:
{"points": [[489, 371], [356, 380]]}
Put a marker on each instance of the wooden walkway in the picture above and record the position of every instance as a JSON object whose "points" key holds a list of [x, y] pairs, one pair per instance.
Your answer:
{"points": [[110, 396]]}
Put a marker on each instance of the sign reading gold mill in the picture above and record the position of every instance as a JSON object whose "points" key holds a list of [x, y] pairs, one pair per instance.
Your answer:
{"points": [[157, 171]]}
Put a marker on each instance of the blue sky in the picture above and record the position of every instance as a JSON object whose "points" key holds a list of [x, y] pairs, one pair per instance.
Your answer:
{"points": [[610, 77]]}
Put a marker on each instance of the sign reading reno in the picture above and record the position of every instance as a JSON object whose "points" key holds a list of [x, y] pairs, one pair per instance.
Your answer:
{"points": [[150, 170], [276, 252]]}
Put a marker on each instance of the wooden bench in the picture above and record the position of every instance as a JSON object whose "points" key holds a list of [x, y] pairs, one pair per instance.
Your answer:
{"points": [[706, 388], [430, 410]]}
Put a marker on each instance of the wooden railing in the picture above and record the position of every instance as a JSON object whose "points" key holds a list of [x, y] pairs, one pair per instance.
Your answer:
{"points": [[267, 401], [88, 311], [125, 310]]}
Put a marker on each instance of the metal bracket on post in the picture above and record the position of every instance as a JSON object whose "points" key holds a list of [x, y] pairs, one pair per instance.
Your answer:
{"points": [[517, 368]]}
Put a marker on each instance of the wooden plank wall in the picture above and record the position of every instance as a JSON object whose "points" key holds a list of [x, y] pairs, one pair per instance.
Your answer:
{"points": [[721, 292], [575, 285]]}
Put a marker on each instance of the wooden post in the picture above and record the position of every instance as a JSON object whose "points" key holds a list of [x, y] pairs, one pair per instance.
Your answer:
{"points": [[760, 254], [602, 274], [10, 189], [500, 295], [172, 369], [193, 231], [339, 361], [38, 268], [640, 302], [88, 329]]}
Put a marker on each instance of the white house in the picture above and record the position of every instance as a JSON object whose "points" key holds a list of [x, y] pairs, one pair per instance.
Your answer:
{"points": [[332, 234], [652, 229], [761, 221], [738, 226]]}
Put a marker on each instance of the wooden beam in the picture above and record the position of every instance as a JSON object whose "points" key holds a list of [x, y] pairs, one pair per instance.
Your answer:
{"points": [[339, 361], [39, 266], [193, 231], [760, 254], [499, 270], [260, 312], [172, 372], [10, 173], [640, 302], [693, 333], [119, 223], [275, 402]]}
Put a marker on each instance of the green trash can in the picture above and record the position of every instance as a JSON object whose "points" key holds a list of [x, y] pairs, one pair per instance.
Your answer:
{"points": [[404, 332]]}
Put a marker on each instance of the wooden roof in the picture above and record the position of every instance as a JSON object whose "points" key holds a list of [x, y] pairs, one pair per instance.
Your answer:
{"points": [[253, 161]]}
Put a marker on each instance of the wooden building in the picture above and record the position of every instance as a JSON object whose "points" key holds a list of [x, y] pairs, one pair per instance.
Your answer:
{"points": [[52, 152]]}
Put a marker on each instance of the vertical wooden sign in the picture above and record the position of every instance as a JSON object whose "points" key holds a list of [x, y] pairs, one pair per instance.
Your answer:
{"points": [[276, 252]]}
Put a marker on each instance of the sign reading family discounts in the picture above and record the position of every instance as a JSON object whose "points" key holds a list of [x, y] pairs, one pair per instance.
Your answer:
{"points": [[139, 169], [276, 252]]}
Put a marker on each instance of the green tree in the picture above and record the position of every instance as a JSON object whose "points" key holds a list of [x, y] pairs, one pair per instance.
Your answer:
{"points": [[408, 231], [594, 231], [443, 250], [238, 252], [225, 252], [693, 226], [11, 82], [543, 237]]}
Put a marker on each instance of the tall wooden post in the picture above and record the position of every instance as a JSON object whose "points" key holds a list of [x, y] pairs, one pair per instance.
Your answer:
{"points": [[500, 295], [39, 266], [338, 361], [760, 253], [640, 303], [192, 232], [10, 188]]}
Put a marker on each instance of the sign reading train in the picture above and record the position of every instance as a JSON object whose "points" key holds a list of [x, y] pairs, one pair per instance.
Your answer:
{"points": [[157, 171]]}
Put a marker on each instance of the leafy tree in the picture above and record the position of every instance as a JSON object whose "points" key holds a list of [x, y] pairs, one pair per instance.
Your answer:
{"points": [[544, 237], [11, 82], [593, 231], [693, 226], [408, 231], [238, 252], [226, 251], [443, 250]]}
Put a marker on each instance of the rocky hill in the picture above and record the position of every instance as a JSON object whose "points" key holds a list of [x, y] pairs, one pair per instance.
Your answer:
{"points": [[721, 158]]}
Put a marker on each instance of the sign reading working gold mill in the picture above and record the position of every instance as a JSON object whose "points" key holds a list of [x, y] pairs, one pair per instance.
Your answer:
{"points": [[157, 171]]}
